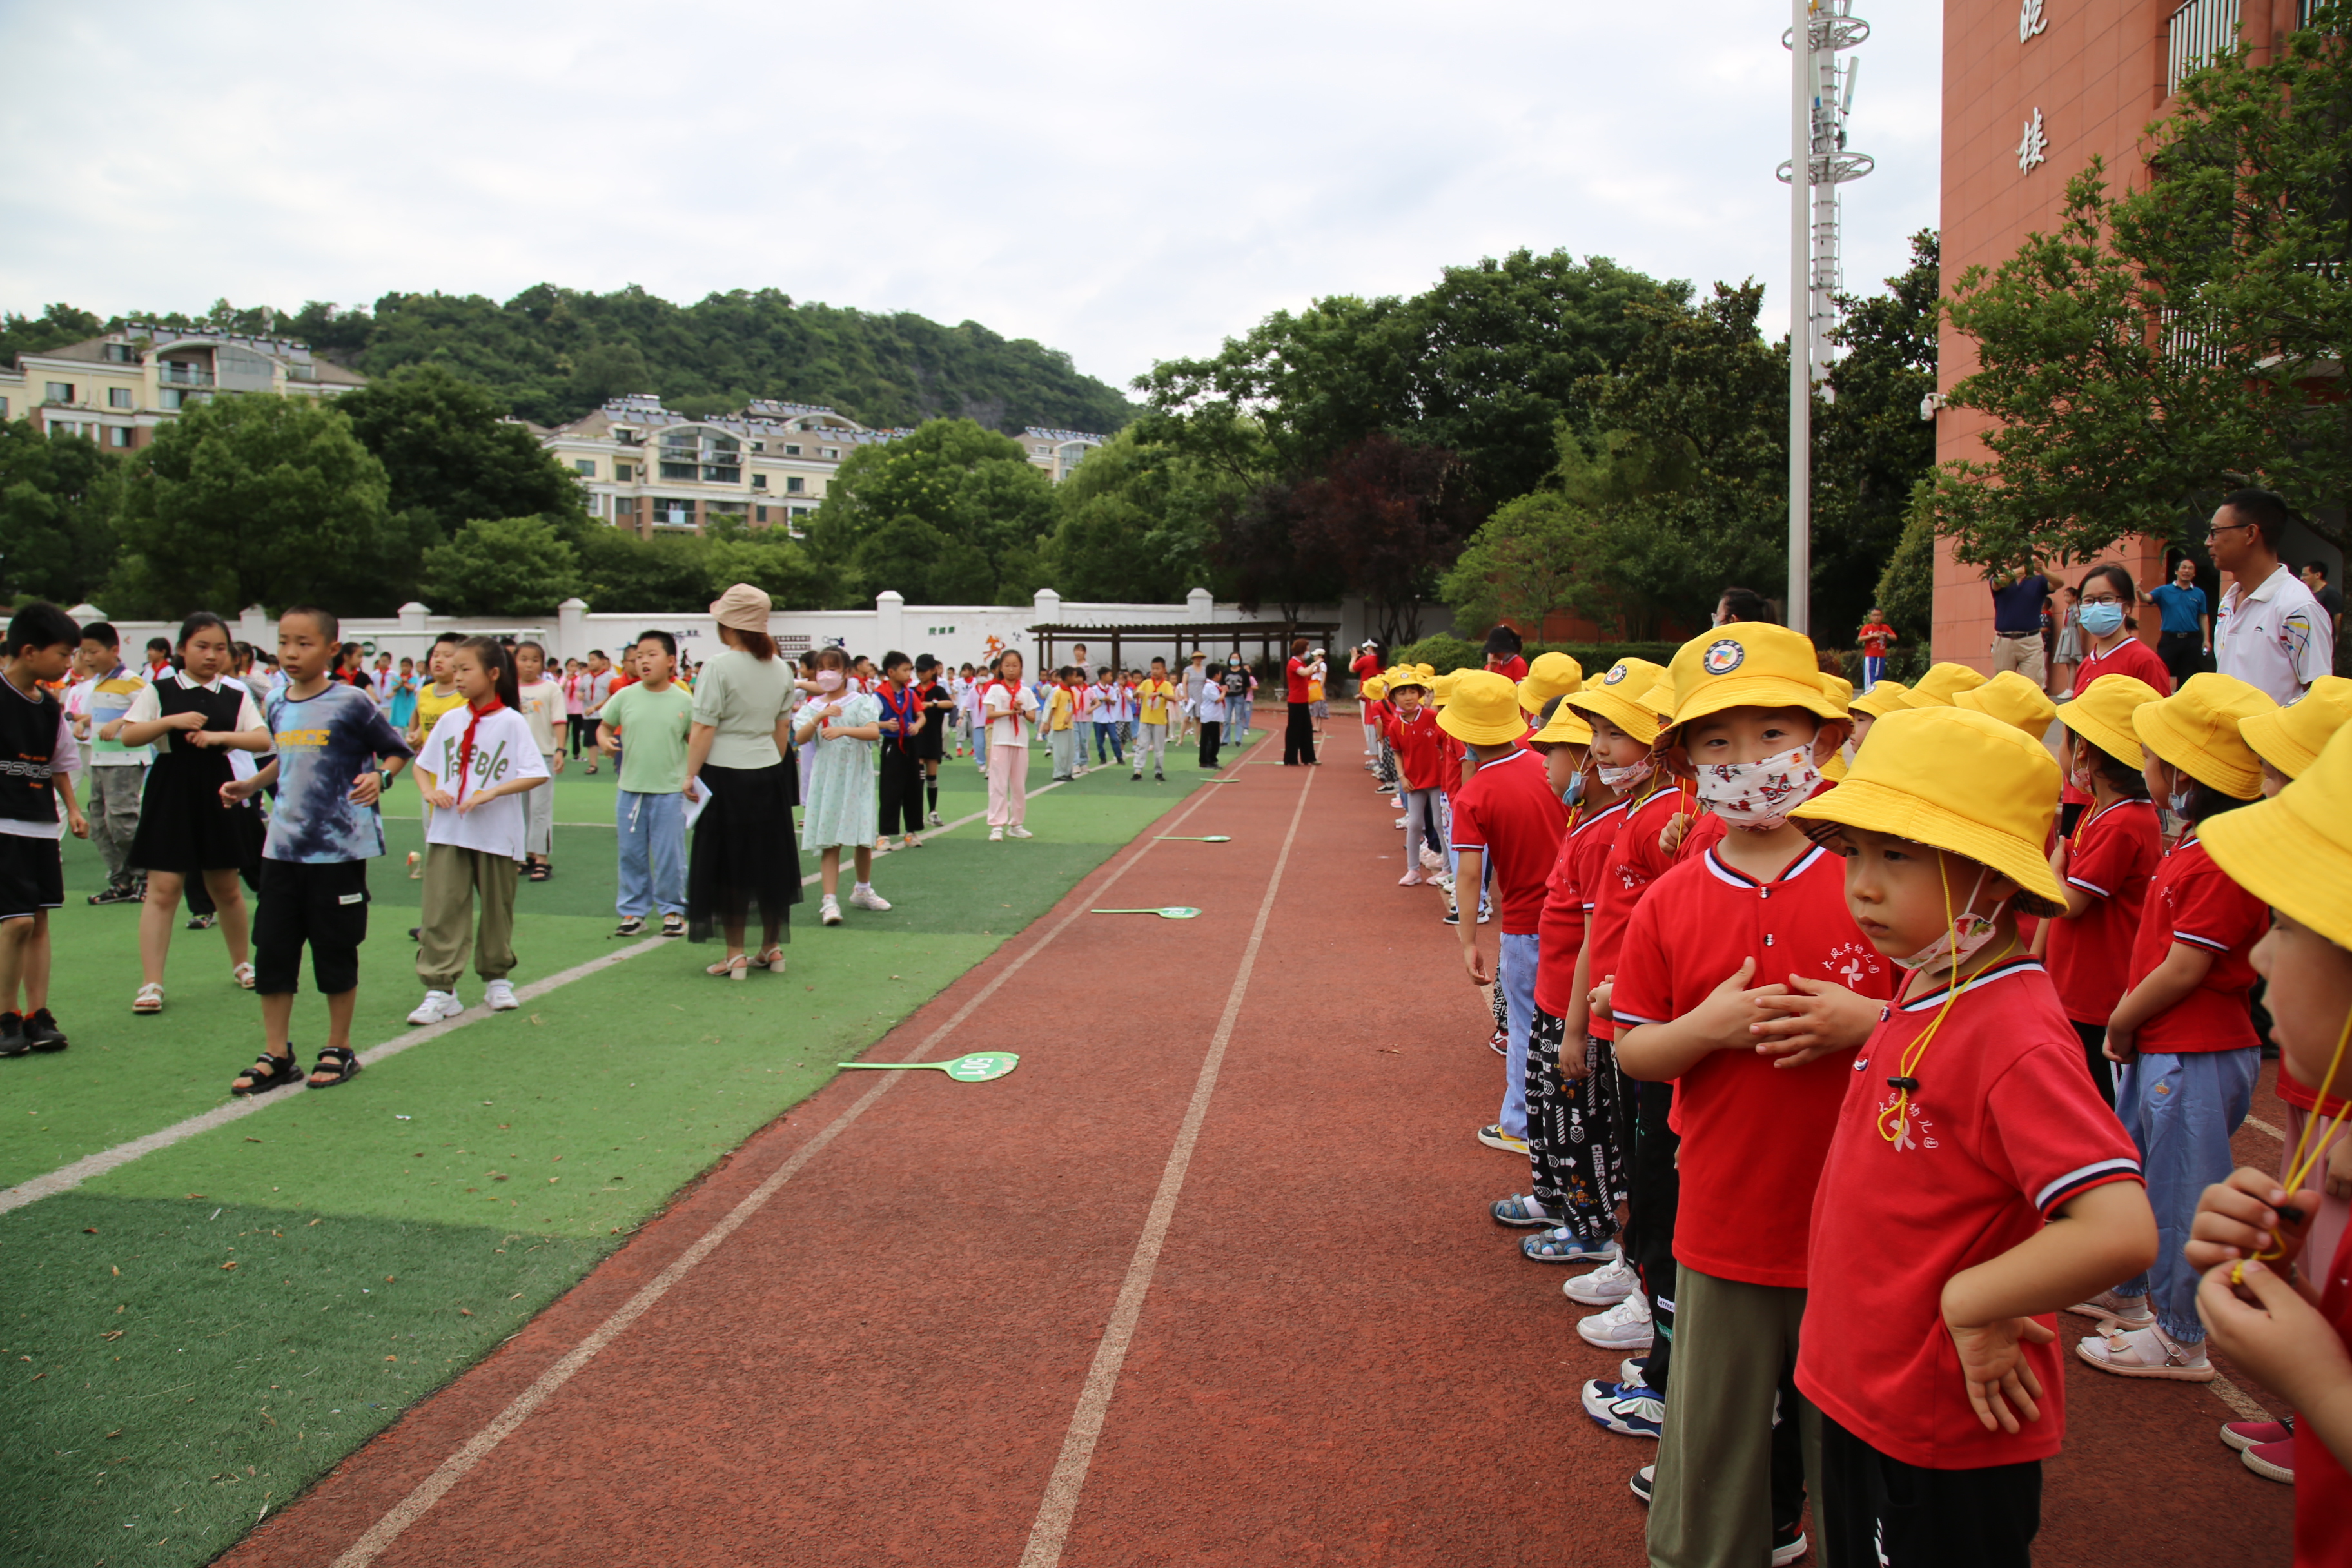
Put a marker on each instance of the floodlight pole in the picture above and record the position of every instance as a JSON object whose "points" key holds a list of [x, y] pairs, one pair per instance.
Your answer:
{"points": [[1800, 335]]}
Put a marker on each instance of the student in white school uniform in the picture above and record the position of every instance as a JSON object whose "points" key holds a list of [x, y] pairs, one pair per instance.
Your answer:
{"points": [[542, 709], [1010, 708], [479, 759]]}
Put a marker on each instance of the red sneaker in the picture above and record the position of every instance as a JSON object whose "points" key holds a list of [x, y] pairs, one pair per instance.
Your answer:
{"points": [[2272, 1461], [2244, 1435]]}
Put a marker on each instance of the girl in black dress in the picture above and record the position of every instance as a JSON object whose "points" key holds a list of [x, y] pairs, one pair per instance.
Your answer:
{"points": [[194, 717]]}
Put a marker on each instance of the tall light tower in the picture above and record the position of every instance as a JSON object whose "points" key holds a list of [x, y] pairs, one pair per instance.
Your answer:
{"points": [[1820, 96]]}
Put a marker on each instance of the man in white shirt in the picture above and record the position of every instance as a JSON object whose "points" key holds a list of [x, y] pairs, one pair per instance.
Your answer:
{"points": [[2268, 631]]}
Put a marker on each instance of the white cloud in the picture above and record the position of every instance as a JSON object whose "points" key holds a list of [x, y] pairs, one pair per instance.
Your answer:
{"points": [[1127, 184]]}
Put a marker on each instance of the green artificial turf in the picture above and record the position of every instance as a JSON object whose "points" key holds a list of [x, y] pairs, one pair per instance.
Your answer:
{"points": [[483, 1172]]}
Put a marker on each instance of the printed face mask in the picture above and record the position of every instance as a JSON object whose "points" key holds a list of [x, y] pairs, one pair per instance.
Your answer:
{"points": [[1620, 780], [2103, 620], [1759, 795], [1968, 935], [828, 681]]}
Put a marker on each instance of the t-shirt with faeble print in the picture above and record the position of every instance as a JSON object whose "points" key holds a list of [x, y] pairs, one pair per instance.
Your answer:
{"points": [[503, 749]]}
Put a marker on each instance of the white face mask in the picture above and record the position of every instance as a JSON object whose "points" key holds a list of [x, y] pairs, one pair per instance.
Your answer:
{"points": [[1620, 780], [1966, 936], [1759, 795]]}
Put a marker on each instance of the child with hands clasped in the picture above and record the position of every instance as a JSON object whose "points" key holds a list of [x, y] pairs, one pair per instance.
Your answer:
{"points": [[841, 812], [476, 765], [1974, 1183], [2279, 1307], [40, 643]]}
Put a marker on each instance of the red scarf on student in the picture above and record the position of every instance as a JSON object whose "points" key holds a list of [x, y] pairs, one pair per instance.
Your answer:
{"points": [[466, 746], [903, 704], [1011, 708]]}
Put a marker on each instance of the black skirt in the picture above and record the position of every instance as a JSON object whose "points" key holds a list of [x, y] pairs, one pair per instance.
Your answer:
{"points": [[182, 825], [744, 869]]}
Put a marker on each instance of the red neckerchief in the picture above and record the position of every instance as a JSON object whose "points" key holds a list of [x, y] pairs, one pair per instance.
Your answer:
{"points": [[466, 747], [1011, 708], [914, 705]]}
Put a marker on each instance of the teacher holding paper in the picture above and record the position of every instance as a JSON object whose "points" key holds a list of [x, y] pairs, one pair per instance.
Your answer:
{"points": [[744, 851]]}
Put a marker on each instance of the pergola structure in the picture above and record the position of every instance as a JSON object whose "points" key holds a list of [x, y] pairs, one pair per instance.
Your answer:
{"points": [[1181, 638]]}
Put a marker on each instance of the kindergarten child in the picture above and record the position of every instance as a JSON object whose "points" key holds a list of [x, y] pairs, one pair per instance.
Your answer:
{"points": [[479, 758], [1973, 1186], [646, 726], [2184, 1031], [901, 727], [1060, 720], [330, 738], [542, 709], [838, 796], [1154, 698], [1009, 709], [1875, 638], [1411, 733], [1760, 912], [41, 645], [117, 773]]}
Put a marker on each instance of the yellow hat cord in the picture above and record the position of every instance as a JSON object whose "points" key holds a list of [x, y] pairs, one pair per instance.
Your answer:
{"points": [[1894, 1120], [2307, 1150]]}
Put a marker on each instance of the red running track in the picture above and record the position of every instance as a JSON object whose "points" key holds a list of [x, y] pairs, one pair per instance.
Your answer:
{"points": [[1208, 1280]]}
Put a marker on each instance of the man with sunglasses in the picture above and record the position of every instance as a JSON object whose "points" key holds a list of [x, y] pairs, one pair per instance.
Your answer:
{"points": [[2269, 631]]}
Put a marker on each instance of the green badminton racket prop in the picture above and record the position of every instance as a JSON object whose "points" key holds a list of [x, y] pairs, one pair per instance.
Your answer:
{"points": [[976, 1069], [1173, 912], [1196, 838]]}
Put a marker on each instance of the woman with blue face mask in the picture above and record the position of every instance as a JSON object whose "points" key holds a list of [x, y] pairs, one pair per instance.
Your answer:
{"points": [[2111, 645]]}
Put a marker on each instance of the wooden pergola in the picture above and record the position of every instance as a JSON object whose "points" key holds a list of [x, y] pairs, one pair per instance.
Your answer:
{"points": [[1181, 638]]}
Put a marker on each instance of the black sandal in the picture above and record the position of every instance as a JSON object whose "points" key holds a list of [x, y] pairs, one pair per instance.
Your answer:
{"points": [[267, 1072], [338, 1061], [540, 871]]}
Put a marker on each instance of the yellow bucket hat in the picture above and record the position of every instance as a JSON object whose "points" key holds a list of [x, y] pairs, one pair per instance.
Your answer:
{"points": [[2291, 738], [1406, 675], [2196, 730], [1428, 671], [1940, 685], [1483, 709], [2013, 700], [1748, 664], [1375, 688], [1838, 689], [1565, 727], [1440, 689], [1883, 698], [2294, 851], [1617, 696], [2102, 714], [1551, 675], [1957, 780]]}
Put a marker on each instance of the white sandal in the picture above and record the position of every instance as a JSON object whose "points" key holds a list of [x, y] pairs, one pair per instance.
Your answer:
{"points": [[150, 998], [772, 960], [736, 968], [243, 975]]}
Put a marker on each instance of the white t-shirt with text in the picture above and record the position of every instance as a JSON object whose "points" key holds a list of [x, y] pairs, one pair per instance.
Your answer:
{"points": [[504, 749]]}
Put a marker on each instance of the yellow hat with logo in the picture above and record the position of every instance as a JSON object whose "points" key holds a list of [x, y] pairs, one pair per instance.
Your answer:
{"points": [[2102, 714], [1617, 695], [1406, 675], [1881, 699], [1957, 780], [2294, 851], [2196, 730], [2011, 699], [1565, 727], [1747, 664], [2291, 738], [1551, 675], [1483, 709], [1375, 687], [1940, 685], [1838, 689]]}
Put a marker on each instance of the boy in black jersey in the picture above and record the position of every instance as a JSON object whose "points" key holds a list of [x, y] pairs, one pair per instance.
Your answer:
{"points": [[37, 756]]}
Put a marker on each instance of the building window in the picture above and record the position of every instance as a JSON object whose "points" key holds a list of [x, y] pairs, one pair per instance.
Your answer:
{"points": [[120, 353], [759, 481], [759, 514], [791, 450], [585, 466], [2200, 32], [171, 397], [4, 408], [803, 511], [759, 446], [794, 485], [833, 452], [625, 506], [118, 435], [626, 473], [673, 512], [118, 397], [57, 392]]}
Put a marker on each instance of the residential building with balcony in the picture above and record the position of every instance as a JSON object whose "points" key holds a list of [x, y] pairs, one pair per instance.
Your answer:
{"points": [[117, 389], [1057, 451]]}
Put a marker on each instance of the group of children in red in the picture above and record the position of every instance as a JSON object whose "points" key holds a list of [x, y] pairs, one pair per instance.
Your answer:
{"points": [[1850, 1072]]}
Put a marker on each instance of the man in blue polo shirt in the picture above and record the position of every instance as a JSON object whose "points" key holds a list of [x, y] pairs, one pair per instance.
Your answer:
{"points": [[2021, 605], [2186, 643]]}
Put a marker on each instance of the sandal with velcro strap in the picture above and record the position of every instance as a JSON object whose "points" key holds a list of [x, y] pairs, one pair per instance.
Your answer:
{"points": [[267, 1072], [341, 1064]]}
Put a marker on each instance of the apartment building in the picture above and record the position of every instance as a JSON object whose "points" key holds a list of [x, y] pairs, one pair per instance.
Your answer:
{"points": [[116, 389], [653, 470]]}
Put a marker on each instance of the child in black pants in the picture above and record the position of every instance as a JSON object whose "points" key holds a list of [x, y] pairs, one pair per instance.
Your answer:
{"points": [[1212, 713]]}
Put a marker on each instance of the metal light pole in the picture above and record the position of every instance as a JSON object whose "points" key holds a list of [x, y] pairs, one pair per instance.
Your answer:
{"points": [[1801, 388]]}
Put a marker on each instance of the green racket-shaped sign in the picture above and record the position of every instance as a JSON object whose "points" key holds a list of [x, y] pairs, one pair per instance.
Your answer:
{"points": [[1173, 912], [978, 1068], [1196, 838]]}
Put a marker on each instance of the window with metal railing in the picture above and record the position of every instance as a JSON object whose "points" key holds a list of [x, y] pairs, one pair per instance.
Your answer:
{"points": [[2200, 31]]}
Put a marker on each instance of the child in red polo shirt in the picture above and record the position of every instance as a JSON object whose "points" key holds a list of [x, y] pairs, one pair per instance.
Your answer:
{"points": [[1415, 739], [2184, 1031], [2107, 865], [1735, 921], [1974, 1185], [1505, 813]]}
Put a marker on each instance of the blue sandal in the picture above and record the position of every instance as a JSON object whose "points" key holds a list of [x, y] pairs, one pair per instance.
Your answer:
{"points": [[1522, 1212], [1559, 1246]]}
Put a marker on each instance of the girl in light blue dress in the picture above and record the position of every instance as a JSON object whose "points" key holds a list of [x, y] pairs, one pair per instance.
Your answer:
{"points": [[840, 810]]}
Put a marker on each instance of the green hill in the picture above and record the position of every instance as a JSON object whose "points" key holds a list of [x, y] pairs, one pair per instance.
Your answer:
{"points": [[553, 354]]}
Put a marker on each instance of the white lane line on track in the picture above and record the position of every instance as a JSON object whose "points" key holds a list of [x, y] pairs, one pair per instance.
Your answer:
{"points": [[67, 1177], [1060, 1503], [2259, 1125], [2238, 1399], [474, 1449]]}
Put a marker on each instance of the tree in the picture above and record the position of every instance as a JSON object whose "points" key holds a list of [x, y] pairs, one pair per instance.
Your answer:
{"points": [[1521, 564], [55, 327], [59, 499], [774, 562], [1905, 589], [502, 566], [1390, 516], [2170, 342], [1135, 522], [670, 574], [450, 454], [950, 514], [261, 500]]}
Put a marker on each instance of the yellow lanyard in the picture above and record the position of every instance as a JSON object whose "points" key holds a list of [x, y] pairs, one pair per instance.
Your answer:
{"points": [[2307, 1149]]}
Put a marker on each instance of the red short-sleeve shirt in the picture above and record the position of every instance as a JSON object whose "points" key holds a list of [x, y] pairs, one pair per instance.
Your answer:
{"points": [[1418, 745], [2193, 900], [2323, 1492], [1559, 930], [1508, 811], [1633, 862], [2005, 1128], [2130, 657], [1294, 680], [1512, 668], [1754, 1135], [2113, 857], [1450, 755]]}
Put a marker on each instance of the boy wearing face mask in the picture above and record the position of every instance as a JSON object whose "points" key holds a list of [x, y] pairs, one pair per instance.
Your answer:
{"points": [[1741, 919], [2184, 1032]]}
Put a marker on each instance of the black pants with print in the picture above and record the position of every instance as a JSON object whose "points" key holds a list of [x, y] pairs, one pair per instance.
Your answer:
{"points": [[1578, 1171], [1654, 1194]]}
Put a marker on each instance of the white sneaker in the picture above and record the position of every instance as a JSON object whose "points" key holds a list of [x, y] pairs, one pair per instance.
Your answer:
{"points": [[436, 1006], [1413, 879], [1017, 831], [996, 836], [937, 821], [1605, 1286], [1623, 1327], [865, 898], [828, 913], [1402, 820], [500, 998]]}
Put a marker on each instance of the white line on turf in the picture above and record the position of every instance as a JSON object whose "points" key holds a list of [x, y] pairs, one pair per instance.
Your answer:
{"points": [[478, 1447], [1060, 1503], [67, 1177]]}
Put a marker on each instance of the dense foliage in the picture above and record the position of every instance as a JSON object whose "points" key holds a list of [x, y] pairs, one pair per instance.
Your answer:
{"points": [[953, 514]]}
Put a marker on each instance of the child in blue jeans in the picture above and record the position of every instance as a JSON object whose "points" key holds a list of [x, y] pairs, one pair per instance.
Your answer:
{"points": [[651, 719]]}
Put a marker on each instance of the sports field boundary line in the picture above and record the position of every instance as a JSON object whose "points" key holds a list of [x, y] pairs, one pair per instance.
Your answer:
{"points": [[474, 1449], [1059, 1506]]}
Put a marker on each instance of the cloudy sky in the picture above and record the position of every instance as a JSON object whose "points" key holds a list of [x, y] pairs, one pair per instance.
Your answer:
{"points": [[1128, 184]]}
